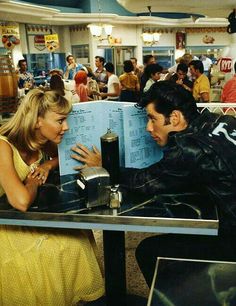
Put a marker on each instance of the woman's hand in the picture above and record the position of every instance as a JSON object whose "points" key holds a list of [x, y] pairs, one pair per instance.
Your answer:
{"points": [[35, 181], [87, 157], [41, 172]]}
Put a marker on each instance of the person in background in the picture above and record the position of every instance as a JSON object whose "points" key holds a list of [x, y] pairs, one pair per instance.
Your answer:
{"points": [[201, 85], [25, 78], [129, 83], [198, 163], [180, 77], [185, 59], [100, 72], [229, 90], [147, 60], [81, 79], [56, 71], [59, 266], [207, 63], [137, 70], [153, 72], [71, 68], [113, 84], [93, 88], [57, 84]]}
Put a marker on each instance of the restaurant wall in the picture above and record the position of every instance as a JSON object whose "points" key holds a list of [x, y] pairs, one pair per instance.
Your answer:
{"points": [[214, 38]]}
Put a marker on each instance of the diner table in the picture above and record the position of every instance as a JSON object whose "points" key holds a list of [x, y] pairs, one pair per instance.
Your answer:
{"points": [[64, 206]]}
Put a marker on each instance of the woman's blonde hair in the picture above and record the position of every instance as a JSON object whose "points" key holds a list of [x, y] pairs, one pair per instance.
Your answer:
{"points": [[21, 128]]}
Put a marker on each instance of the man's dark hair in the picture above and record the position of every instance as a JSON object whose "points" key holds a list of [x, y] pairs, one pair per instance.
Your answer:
{"points": [[147, 58], [152, 69], [21, 61], [109, 67], [182, 67], [128, 66], [198, 65], [68, 56], [101, 59], [168, 97], [134, 58]]}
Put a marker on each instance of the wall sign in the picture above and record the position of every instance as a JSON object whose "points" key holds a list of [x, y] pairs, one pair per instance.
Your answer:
{"points": [[39, 42], [51, 42], [10, 36], [225, 64]]}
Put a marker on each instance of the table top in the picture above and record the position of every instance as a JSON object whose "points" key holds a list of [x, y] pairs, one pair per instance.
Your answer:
{"points": [[64, 206]]}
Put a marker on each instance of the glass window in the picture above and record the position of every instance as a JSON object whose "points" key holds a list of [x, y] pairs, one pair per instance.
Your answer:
{"points": [[81, 54], [163, 55]]}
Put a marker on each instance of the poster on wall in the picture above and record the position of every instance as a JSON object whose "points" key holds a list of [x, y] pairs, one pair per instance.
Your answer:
{"points": [[39, 42], [51, 42], [180, 40], [10, 36]]}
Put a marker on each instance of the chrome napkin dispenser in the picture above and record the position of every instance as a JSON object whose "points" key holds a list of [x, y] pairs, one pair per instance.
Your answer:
{"points": [[95, 183]]}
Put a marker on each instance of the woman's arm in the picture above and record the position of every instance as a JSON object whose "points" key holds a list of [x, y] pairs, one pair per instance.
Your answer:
{"points": [[42, 171], [19, 194]]}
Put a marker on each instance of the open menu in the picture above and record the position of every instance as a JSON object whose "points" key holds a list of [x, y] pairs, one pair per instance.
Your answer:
{"points": [[90, 120]]}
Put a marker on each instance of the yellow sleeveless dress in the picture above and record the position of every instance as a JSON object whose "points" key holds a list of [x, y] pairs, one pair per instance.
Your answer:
{"points": [[47, 267]]}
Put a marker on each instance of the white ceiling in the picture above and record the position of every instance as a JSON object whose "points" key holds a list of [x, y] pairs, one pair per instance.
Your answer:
{"points": [[217, 10], [210, 8]]}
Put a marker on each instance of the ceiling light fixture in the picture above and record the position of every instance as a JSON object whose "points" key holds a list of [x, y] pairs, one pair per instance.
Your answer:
{"points": [[97, 29], [151, 37]]}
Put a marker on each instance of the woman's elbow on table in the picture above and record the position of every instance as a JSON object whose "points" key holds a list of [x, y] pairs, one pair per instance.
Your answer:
{"points": [[21, 201]]}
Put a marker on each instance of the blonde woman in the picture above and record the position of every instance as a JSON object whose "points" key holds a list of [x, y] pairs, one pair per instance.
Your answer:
{"points": [[40, 266]]}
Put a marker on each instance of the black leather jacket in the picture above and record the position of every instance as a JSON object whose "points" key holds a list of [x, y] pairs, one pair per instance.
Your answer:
{"points": [[201, 158]]}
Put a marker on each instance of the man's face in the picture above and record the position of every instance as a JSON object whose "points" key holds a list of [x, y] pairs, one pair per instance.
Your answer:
{"points": [[97, 62], [193, 71], [23, 66], [156, 125], [151, 61], [181, 75], [134, 63], [71, 60], [156, 76]]}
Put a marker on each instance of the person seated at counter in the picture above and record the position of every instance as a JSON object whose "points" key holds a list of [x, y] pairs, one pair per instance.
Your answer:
{"points": [[71, 68], [199, 156], [25, 78], [40, 266], [57, 84]]}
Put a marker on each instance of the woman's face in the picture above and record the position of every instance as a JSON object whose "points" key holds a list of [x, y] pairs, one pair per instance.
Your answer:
{"points": [[52, 126]]}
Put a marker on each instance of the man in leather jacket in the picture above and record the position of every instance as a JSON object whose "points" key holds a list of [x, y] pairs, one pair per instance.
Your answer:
{"points": [[199, 159], [199, 156]]}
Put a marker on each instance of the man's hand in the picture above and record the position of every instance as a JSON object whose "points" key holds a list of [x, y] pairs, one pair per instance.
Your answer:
{"points": [[87, 157]]}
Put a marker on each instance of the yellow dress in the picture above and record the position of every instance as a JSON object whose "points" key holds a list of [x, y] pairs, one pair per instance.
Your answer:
{"points": [[47, 267]]}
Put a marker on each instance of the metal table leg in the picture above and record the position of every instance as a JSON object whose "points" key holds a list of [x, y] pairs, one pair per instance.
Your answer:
{"points": [[114, 262]]}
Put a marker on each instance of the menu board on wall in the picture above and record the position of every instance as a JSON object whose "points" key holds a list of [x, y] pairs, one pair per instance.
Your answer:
{"points": [[90, 120]]}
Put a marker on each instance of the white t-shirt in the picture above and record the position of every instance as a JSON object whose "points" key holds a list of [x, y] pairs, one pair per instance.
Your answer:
{"points": [[113, 79], [207, 62]]}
